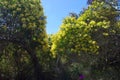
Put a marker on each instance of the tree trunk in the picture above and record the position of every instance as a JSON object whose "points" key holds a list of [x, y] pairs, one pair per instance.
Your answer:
{"points": [[37, 67]]}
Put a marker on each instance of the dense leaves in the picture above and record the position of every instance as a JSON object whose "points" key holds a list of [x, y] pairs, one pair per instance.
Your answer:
{"points": [[22, 28], [22, 22], [89, 41], [86, 45]]}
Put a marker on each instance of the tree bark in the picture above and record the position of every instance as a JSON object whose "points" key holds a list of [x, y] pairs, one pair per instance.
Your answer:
{"points": [[37, 67]]}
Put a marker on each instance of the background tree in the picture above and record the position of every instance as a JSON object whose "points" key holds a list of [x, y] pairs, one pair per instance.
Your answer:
{"points": [[72, 45], [83, 43], [104, 37]]}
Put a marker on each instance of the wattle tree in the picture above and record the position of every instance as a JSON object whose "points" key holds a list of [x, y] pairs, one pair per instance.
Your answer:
{"points": [[82, 43], [22, 23]]}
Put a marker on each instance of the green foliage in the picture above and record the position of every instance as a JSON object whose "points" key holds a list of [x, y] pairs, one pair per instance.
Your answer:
{"points": [[74, 38], [99, 11], [15, 62], [27, 20], [87, 44], [22, 25], [79, 40], [106, 34]]}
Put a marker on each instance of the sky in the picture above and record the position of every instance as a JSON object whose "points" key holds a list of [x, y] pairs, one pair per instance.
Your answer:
{"points": [[57, 10]]}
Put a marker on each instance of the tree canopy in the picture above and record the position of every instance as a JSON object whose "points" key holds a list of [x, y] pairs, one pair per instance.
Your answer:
{"points": [[86, 45], [92, 34], [22, 23]]}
